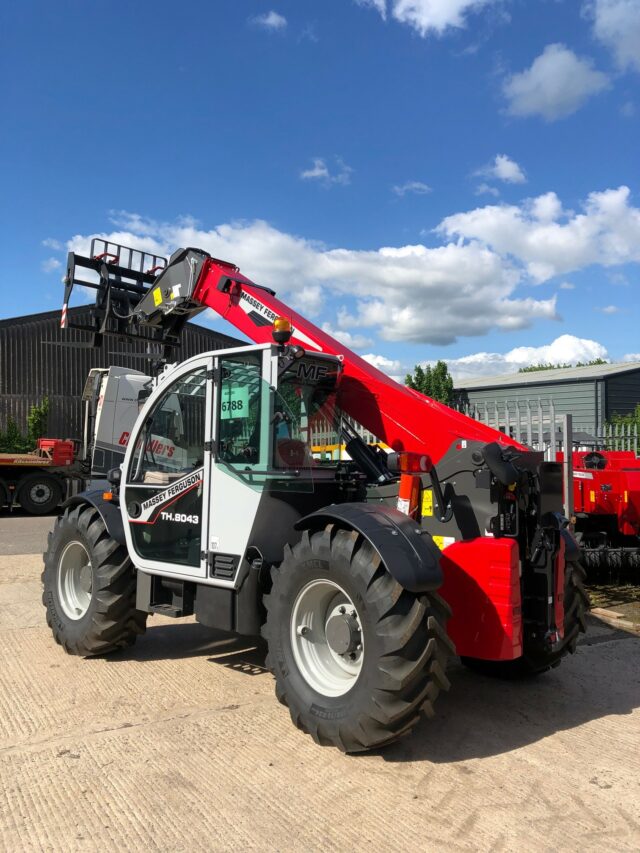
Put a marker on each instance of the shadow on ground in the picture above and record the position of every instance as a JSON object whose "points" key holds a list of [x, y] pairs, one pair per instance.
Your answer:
{"points": [[182, 639], [478, 717]]}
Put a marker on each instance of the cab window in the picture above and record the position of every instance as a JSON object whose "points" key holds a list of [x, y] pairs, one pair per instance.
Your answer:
{"points": [[305, 415], [243, 398], [172, 440]]}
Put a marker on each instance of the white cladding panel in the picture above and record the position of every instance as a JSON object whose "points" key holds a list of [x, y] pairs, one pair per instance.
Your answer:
{"points": [[233, 507]]}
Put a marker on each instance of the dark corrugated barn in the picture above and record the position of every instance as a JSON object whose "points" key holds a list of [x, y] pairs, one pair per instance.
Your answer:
{"points": [[35, 363], [592, 394]]}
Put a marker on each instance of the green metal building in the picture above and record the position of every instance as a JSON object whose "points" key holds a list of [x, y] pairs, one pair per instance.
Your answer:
{"points": [[591, 394]]}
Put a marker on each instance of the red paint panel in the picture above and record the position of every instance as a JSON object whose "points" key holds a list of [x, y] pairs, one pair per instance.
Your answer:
{"points": [[482, 587]]}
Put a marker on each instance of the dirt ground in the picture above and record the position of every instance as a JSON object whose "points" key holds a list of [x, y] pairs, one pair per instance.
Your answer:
{"points": [[179, 744], [622, 598]]}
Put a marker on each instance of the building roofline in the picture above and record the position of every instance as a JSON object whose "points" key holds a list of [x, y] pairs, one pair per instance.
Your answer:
{"points": [[77, 310], [555, 376]]}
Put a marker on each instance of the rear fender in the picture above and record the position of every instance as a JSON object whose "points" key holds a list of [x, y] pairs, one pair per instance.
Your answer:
{"points": [[109, 512], [409, 553]]}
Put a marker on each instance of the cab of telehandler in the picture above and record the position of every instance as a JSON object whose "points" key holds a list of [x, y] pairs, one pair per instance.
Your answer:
{"points": [[222, 437]]}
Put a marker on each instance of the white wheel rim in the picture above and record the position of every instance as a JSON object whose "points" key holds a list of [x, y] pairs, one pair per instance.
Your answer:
{"points": [[75, 580], [330, 664]]}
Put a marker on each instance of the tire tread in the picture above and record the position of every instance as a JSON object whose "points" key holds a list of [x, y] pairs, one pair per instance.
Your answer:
{"points": [[115, 623]]}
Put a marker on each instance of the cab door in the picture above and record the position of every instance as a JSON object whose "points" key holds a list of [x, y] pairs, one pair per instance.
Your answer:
{"points": [[166, 474], [240, 469]]}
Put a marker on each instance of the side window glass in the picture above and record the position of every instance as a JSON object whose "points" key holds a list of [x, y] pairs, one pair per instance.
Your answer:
{"points": [[305, 415], [172, 442], [241, 437]]}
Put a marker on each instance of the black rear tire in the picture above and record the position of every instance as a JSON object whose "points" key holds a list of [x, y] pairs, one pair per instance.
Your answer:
{"points": [[405, 654], [39, 494], [111, 620], [535, 662]]}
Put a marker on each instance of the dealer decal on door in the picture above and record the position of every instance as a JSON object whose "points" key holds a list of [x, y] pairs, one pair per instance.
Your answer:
{"points": [[147, 512]]}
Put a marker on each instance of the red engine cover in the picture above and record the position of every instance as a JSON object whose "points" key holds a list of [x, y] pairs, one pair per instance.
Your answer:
{"points": [[482, 587]]}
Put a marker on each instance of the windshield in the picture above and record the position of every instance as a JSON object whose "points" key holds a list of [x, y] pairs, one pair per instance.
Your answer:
{"points": [[306, 417]]}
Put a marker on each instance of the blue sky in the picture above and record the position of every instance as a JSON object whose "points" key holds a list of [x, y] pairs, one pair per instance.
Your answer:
{"points": [[426, 178]]}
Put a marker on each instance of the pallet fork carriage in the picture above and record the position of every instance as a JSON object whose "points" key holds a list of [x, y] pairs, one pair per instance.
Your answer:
{"points": [[364, 575]]}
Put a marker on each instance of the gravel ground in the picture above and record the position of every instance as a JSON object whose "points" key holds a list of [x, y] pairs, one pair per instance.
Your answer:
{"points": [[180, 745]]}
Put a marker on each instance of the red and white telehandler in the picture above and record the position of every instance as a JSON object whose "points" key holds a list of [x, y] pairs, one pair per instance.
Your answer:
{"points": [[363, 576]]}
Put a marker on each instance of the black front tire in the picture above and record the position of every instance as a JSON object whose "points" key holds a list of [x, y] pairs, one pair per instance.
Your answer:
{"points": [[111, 620], [39, 494], [406, 647], [534, 662]]}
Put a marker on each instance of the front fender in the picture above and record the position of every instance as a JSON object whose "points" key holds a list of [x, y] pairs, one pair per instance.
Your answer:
{"points": [[109, 512], [409, 553]]}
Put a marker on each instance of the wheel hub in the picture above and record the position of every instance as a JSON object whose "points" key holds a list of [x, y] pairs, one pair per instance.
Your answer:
{"points": [[343, 633], [40, 493], [75, 580], [326, 637]]}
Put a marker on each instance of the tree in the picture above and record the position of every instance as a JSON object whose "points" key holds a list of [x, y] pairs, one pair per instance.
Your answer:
{"points": [[37, 421], [532, 368], [12, 440], [631, 420], [435, 382]]}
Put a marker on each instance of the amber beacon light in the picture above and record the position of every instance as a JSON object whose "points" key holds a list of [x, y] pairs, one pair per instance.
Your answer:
{"points": [[282, 330]]}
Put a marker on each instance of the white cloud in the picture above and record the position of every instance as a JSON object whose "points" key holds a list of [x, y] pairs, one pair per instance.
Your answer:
{"points": [[470, 284], [503, 168], [355, 342], [387, 365], [380, 5], [50, 243], [616, 23], [271, 21], [428, 16], [413, 187], [566, 285], [319, 171], [550, 241], [566, 349], [609, 309], [410, 293], [628, 109], [50, 265], [557, 84], [631, 356], [486, 189]]}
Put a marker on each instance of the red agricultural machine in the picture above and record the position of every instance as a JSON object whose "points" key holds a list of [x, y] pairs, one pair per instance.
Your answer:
{"points": [[363, 576], [606, 495]]}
